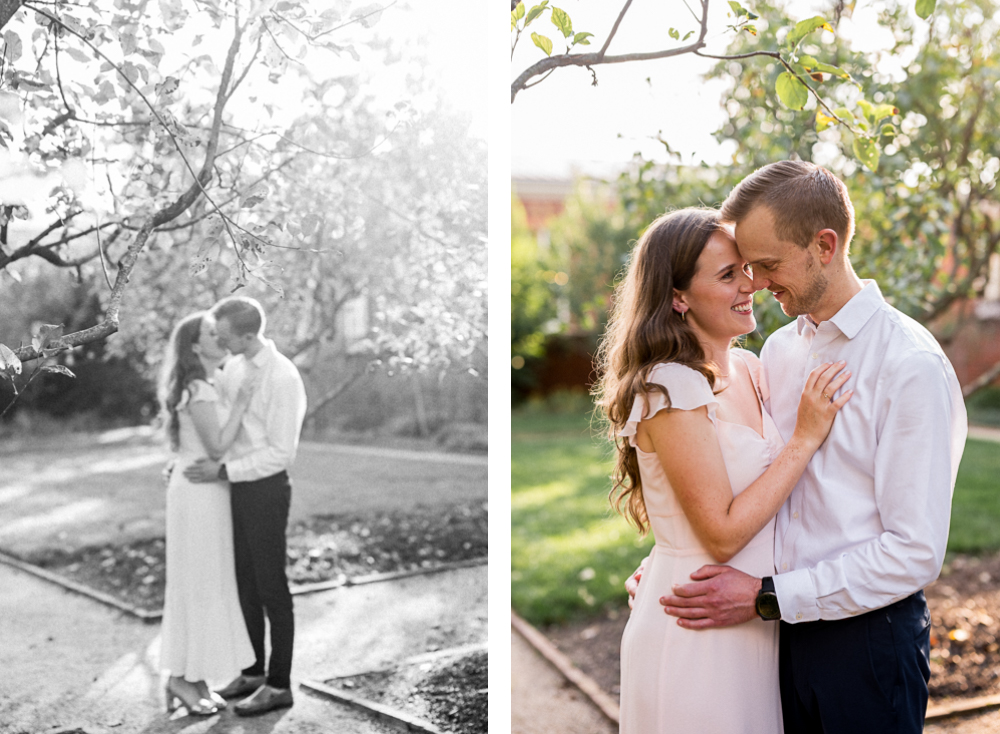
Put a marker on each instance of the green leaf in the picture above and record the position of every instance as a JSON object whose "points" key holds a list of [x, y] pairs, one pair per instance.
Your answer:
{"points": [[867, 152], [888, 131], [844, 114], [581, 38], [535, 12], [738, 10], [868, 110], [77, 55], [9, 363], [47, 333], [925, 8], [543, 43], [883, 111], [58, 369], [823, 121], [791, 91], [804, 28], [518, 12], [12, 46], [675, 34], [254, 196], [751, 29], [560, 19], [687, 35]]}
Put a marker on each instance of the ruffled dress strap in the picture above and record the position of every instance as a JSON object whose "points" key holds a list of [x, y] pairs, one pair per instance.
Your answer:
{"points": [[688, 389], [198, 391], [756, 368]]}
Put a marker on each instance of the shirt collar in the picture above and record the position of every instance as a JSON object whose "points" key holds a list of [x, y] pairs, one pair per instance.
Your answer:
{"points": [[854, 314], [264, 354]]}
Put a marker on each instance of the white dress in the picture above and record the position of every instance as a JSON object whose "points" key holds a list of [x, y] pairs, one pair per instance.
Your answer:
{"points": [[716, 681], [204, 636]]}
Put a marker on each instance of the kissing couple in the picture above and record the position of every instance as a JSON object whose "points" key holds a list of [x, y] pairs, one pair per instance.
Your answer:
{"points": [[233, 408]]}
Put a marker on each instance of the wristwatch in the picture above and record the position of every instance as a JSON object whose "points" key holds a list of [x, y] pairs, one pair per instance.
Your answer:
{"points": [[767, 600]]}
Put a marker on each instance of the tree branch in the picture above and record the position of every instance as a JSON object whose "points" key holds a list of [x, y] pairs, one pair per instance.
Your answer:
{"points": [[597, 58]]}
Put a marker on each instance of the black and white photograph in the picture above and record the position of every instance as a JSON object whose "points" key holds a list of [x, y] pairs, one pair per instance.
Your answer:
{"points": [[243, 367]]}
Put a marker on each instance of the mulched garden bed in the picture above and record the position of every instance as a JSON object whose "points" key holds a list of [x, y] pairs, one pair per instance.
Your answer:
{"points": [[965, 634], [451, 694], [322, 548]]}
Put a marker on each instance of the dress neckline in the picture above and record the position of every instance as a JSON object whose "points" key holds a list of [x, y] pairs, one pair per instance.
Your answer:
{"points": [[760, 406]]}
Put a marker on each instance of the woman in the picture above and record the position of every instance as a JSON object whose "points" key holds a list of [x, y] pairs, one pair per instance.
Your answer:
{"points": [[204, 635], [701, 462]]}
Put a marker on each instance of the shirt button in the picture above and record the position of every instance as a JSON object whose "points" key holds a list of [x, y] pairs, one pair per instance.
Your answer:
{"points": [[784, 566], [815, 355], [795, 515], [798, 615]]}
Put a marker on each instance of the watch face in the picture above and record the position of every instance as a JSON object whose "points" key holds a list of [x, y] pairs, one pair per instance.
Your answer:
{"points": [[767, 606]]}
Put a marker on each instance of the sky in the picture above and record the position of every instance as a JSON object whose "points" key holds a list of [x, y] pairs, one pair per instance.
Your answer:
{"points": [[566, 126]]}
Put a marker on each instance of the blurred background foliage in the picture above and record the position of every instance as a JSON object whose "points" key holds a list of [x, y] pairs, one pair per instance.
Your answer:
{"points": [[928, 221]]}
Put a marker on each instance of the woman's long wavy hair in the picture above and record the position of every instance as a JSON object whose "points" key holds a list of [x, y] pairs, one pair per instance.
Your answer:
{"points": [[180, 367], [644, 330]]}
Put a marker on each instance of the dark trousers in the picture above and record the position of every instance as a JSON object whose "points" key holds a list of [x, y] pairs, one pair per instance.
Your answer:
{"points": [[260, 515], [863, 674]]}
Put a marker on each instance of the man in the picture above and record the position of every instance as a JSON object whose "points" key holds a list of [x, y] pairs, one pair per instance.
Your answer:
{"points": [[257, 467], [865, 529]]}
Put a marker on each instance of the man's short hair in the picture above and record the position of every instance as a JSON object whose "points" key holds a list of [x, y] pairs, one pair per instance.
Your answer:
{"points": [[244, 314], [803, 198]]}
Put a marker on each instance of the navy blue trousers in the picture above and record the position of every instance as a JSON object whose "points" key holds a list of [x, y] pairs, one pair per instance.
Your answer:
{"points": [[260, 514], [858, 675]]}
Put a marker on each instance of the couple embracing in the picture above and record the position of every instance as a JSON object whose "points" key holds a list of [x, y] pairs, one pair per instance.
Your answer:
{"points": [[233, 407], [820, 474]]}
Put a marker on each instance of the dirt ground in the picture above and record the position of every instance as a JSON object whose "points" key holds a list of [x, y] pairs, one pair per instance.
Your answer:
{"points": [[965, 642]]}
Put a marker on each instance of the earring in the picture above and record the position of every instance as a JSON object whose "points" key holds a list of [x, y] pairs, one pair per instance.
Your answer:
{"points": [[684, 316]]}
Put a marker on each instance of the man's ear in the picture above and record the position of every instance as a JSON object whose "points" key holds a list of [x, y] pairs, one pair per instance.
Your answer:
{"points": [[828, 242]]}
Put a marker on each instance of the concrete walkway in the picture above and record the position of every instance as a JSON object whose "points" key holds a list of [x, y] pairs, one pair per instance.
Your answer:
{"points": [[543, 702], [72, 663]]}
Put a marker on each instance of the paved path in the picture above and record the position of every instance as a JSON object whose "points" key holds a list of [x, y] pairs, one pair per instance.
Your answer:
{"points": [[543, 702], [69, 662], [75, 493], [984, 433]]}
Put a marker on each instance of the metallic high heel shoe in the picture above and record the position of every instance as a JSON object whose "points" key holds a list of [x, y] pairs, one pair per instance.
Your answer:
{"points": [[195, 705]]}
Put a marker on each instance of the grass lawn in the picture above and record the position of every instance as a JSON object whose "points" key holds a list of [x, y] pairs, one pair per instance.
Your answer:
{"points": [[570, 554]]}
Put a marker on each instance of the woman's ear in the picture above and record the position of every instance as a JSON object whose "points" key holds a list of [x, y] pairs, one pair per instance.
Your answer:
{"points": [[679, 305]]}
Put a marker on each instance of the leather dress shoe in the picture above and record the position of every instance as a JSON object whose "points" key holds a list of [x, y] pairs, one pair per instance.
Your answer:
{"points": [[266, 698], [241, 685]]}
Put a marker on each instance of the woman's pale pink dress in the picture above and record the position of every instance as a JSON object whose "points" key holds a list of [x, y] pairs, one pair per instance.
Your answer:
{"points": [[717, 681]]}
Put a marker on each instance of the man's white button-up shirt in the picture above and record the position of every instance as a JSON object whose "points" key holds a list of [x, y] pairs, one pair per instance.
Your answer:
{"points": [[867, 524], [269, 437]]}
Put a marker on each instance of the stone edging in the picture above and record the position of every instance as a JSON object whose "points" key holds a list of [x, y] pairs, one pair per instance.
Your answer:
{"points": [[565, 666], [962, 706], [387, 714], [156, 615]]}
